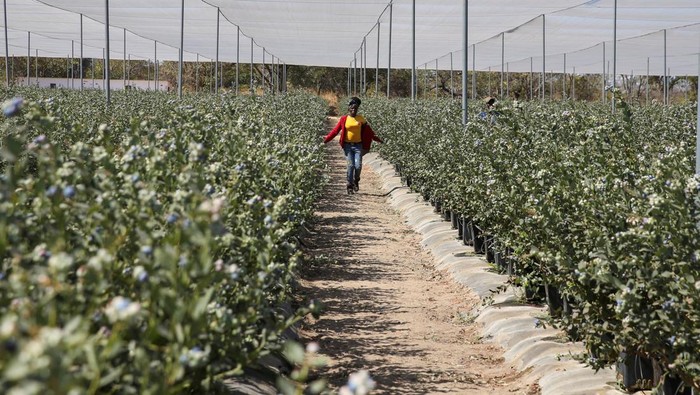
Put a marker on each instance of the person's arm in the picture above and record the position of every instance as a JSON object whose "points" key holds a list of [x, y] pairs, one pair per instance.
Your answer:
{"points": [[331, 135], [373, 135]]}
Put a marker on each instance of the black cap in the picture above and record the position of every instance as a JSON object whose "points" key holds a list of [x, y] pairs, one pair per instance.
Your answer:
{"points": [[354, 101]]}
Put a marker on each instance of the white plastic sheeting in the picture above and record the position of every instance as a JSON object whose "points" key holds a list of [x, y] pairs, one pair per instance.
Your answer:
{"points": [[329, 33]]}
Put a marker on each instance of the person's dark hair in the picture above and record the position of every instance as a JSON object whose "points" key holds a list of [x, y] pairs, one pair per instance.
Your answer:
{"points": [[354, 101]]}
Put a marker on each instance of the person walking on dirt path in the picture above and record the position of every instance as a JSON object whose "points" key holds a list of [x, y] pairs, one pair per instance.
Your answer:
{"points": [[356, 138]]}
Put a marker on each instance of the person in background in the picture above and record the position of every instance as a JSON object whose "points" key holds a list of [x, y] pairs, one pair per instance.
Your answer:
{"points": [[356, 138], [489, 114]]}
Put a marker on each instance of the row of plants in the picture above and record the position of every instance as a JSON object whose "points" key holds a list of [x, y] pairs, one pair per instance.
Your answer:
{"points": [[602, 207], [148, 247]]}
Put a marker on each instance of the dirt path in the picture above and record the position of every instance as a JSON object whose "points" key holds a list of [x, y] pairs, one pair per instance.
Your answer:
{"points": [[387, 309]]}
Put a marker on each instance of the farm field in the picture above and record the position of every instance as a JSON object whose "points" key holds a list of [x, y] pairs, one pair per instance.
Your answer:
{"points": [[155, 246]]}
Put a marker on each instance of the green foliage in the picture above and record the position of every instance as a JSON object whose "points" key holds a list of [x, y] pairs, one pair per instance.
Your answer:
{"points": [[147, 247], [603, 207]]}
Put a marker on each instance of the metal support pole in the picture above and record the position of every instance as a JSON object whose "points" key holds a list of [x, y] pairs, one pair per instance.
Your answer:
{"points": [[507, 79], [252, 88], [532, 79], [563, 81], [647, 83], [573, 85], [465, 62], [697, 134], [605, 80], [614, 70], [473, 72], [376, 73], [665, 72], [262, 72], [238, 55], [124, 64], [544, 53], [81, 52], [216, 68], [388, 67], [36, 66], [196, 74], [7, 46], [72, 64], [503, 60], [349, 78], [29, 53], [182, 49], [364, 66], [413, 52], [354, 74], [156, 69], [106, 76], [452, 80], [436, 78]]}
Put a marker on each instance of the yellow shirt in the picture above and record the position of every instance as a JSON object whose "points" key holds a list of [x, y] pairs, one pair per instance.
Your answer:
{"points": [[353, 128]]}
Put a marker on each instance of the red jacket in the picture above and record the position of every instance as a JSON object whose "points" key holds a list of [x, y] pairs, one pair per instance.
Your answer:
{"points": [[366, 133]]}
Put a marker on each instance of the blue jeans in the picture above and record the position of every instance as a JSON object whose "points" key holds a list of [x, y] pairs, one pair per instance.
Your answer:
{"points": [[353, 153]]}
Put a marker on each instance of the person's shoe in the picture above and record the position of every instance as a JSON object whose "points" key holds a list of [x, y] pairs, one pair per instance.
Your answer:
{"points": [[351, 189], [356, 186]]}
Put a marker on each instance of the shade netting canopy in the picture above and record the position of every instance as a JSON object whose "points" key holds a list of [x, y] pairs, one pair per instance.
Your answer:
{"points": [[655, 36]]}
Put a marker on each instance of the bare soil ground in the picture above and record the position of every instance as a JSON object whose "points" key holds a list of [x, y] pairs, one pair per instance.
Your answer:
{"points": [[387, 310]]}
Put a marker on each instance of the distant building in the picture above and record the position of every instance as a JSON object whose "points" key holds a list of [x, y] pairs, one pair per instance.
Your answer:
{"points": [[89, 83]]}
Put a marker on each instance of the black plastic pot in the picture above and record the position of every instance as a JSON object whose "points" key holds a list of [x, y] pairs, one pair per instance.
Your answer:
{"points": [[454, 218], [438, 205], [554, 301], [460, 226], [446, 215], [489, 248], [477, 239], [674, 386], [467, 238], [637, 372]]}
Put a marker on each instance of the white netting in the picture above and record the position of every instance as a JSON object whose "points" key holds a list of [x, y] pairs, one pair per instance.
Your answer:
{"points": [[329, 33]]}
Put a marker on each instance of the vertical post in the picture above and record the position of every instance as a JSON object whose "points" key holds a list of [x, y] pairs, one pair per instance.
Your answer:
{"points": [[124, 64], [238, 55], [128, 70], [156, 69], [349, 79], [665, 72], [503, 60], [507, 79], [68, 71], [252, 91], [436, 78], [573, 84], [413, 52], [544, 53], [72, 63], [284, 78], [196, 74], [465, 61], [7, 46], [148, 74], [647, 83], [551, 85], [376, 72], [354, 74], [29, 53], [473, 72], [106, 76], [36, 66], [614, 69], [262, 72], [563, 81], [605, 80], [452, 81], [697, 134], [388, 67], [216, 71], [364, 68], [81, 52], [182, 49], [532, 79]]}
